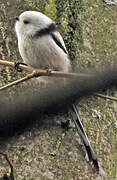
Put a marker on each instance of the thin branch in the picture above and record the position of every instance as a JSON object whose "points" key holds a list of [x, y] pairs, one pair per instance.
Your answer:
{"points": [[10, 164], [27, 77], [40, 72], [105, 97], [12, 64], [37, 73]]}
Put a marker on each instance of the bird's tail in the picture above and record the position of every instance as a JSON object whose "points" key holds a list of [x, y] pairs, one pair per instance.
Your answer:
{"points": [[90, 156]]}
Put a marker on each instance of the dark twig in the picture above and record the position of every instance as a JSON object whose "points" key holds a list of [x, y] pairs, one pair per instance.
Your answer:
{"points": [[11, 177]]}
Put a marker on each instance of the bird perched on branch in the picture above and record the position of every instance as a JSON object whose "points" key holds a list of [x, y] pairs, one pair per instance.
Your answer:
{"points": [[41, 46]]}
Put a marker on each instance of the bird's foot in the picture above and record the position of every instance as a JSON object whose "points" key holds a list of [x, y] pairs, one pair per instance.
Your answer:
{"points": [[17, 66]]}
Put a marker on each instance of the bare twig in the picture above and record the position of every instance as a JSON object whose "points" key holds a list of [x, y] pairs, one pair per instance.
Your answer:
{"points": [[40, 72], [10, 164], [105, 97], [12, 64], [27, 77], [37, 73]]}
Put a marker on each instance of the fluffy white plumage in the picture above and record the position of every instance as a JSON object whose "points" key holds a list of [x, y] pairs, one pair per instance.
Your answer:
{"points": [[41, 50]]}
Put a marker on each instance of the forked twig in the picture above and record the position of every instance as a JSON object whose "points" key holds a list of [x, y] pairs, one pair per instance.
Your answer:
{"points": [[40, 72]]}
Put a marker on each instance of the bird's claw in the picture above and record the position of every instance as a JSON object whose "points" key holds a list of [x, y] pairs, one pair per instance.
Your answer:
{"points": [[19, 69]]}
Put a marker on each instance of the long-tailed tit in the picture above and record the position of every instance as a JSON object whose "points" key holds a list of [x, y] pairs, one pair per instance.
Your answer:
{"points": [[39, 42], [41, 46]]}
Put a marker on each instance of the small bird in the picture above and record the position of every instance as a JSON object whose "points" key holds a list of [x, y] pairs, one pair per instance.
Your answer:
{"points": [[41, 46]]}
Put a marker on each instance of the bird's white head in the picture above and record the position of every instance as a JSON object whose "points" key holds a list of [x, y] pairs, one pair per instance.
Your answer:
{"points": [[29, 22]]}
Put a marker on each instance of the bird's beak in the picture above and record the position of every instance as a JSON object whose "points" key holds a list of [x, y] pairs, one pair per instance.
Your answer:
{"points": [[17, 18]]}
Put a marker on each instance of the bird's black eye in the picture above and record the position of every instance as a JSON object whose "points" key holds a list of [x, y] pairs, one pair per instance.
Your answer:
{"points": [[17, 18], [25, 21]]}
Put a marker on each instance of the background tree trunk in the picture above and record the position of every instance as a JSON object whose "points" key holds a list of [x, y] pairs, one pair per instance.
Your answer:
{"points": [[89, 29]]}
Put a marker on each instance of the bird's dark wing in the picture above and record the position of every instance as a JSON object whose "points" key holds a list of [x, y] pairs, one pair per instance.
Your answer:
{"points": [[59, 40]]}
